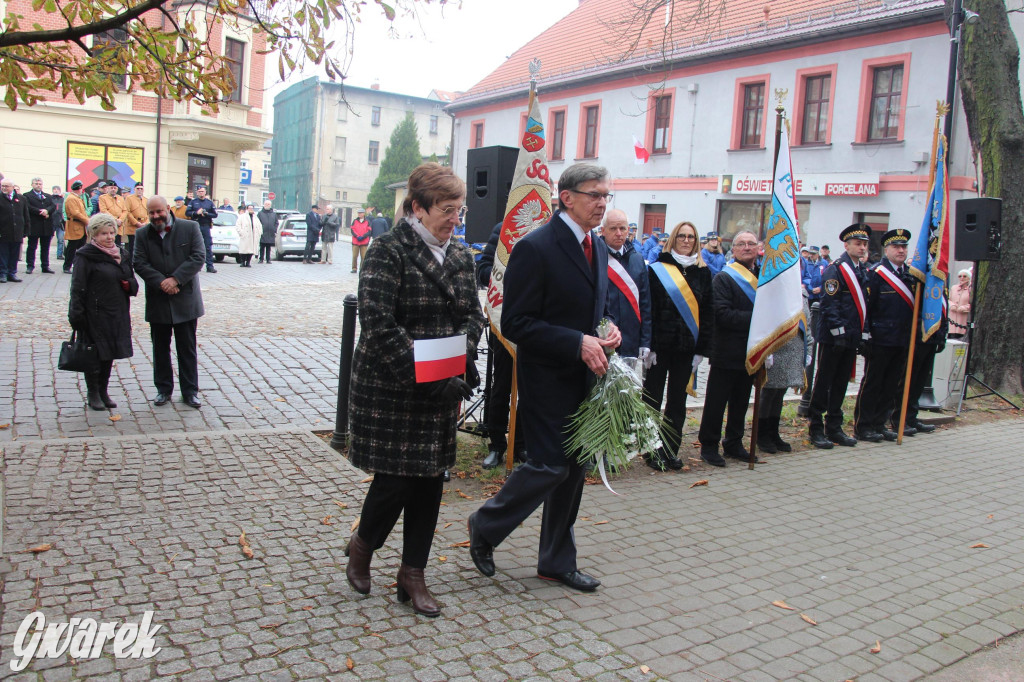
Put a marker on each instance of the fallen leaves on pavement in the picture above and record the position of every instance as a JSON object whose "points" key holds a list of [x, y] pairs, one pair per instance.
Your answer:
{"points": [[38, 549], [782, 605], [702, 481], [980, 545], [243, 542], [877, 647], [808, 619]]}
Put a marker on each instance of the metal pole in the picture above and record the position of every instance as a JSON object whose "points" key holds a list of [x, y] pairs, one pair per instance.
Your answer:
{"points": [[339, 440]]}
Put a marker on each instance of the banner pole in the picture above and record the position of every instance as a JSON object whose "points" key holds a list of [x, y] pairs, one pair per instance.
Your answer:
{"points": [[910, 364], [513, 408]]}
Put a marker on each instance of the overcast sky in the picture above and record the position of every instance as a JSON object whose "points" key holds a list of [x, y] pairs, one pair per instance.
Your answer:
{"points": [[448, 49]]}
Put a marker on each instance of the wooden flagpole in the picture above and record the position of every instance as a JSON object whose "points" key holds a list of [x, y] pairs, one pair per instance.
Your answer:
{"points": [[513, 405], [917, 296]]}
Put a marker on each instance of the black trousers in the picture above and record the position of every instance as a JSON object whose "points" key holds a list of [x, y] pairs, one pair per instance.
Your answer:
{"points": [[310, 250], [44, 251], [834, 366], [387, 498], [265, 251], [923, 354], [188, 359], [129, 246], [883, 374], [559, 489], [809, 370], [499, 400], [772, 400], [208, 241], [675, 369], [726, 387], [69, 252]]}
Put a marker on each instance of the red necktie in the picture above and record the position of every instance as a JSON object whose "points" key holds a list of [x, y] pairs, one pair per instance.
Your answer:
{"points": [[588, 251]]}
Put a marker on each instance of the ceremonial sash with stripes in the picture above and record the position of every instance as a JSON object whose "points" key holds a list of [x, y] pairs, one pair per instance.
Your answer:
{"points": [[619, 276], [896, 283], [744, 278], [681, 295], [853, 284]]}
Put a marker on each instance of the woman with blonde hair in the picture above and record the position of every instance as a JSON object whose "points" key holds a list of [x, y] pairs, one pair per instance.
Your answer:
{"points": [[102, 284], [681, 327], [960, 305]]}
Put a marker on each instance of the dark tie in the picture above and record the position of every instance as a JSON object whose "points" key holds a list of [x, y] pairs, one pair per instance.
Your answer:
{"points": [[588, 250]]}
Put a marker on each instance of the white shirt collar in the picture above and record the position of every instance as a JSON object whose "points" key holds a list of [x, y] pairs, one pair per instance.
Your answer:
{"points": [[577, 231]]}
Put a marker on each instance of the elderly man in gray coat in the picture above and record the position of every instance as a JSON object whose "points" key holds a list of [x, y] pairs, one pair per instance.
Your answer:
{"points": [[169, 254]]}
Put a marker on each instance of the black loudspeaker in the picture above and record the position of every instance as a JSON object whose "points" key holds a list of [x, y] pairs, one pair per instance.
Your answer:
{"points": [[489, 172], [978, 229]]}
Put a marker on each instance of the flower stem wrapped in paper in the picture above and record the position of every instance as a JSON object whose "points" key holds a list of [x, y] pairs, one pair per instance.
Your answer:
{"points": [[614, 424]]}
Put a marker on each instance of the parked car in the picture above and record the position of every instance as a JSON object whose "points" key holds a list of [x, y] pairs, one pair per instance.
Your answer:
{"points": [[225, 238], [291, 238]]}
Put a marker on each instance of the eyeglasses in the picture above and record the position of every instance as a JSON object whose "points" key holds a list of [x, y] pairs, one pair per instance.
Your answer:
{"points": [[742, 245], [686, 237], [596, 196], [461, 211]]}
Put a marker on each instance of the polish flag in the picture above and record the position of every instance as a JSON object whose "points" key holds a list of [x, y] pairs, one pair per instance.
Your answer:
{"points": [[642, 155], [438, 359]]}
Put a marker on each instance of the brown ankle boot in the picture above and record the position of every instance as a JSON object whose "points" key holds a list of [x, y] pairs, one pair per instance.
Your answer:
{"points": [[411, 586], [358, 570]]}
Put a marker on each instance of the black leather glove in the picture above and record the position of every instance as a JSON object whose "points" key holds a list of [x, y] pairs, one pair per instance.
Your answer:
{"points": [[451, 390], [864, 349], [472, 373]]}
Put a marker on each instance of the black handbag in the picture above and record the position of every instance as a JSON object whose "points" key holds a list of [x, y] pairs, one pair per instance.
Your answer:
{"points": [[78, 356]]}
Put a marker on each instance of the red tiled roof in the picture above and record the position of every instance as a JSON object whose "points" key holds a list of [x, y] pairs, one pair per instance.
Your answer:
{"points": [[599, 34]]}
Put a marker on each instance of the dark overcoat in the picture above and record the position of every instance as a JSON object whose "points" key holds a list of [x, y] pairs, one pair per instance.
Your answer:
{"points": [[890, 317], [269, 220], [636, 332], [405, 294], [13, 218], [38, 226], [181, 255], [733, 312], [670, 334], [839, 322], [552, 298], [100, 309]]}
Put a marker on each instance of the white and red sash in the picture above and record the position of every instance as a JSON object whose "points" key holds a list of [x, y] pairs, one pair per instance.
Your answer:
{"points": [[853, 284], [896, 283], [620, 277]]}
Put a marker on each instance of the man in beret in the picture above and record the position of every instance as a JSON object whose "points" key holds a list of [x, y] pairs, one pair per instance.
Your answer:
{"points": [[841, 329], [77, 221], [113, 203]]}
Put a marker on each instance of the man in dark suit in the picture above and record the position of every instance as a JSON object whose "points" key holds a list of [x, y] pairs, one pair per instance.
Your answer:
{"points": [[202, 211], [556, 289], [13, 220], [40, 227], [313, 225], [169, 254]]}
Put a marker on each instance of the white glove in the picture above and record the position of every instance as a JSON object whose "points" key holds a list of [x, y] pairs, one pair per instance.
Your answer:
{"points": [[697, 359], [769, 361], [808, 359], [642, 355], [650, 359]]}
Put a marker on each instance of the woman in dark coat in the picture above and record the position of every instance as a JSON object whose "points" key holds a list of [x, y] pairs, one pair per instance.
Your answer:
{"points": [[675, 351], [268, 219], [416, 283], [102, 284]]}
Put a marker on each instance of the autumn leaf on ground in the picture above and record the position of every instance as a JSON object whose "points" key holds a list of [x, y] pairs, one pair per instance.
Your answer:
{"points": [[584, 518], [702, 481], [991, 516], [877, 647], [5, 426], [38, 549], [644, 669], [367, 479], [980, 545], [270, 626], [782, 605], [280, 400], [808, 619], [349, 663], [114, 417], [341, 504], [463, 495], [464, 543], [448, 525], [686, 467], [600, 523], [243, 542], [442, 559], [355, 524], [327, 520]]}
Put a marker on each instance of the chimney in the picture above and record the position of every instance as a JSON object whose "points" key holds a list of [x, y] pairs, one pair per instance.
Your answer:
{"points": [[375, 86]]}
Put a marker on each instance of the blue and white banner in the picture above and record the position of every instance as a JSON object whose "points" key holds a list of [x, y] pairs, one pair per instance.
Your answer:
{"points": [[778, 307]]}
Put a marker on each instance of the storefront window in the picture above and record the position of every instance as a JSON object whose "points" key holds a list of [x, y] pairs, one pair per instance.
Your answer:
{"points": [[734, 216]]}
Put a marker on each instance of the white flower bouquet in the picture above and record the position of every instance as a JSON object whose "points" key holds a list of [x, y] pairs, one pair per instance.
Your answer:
{"points": [[614, 424]]}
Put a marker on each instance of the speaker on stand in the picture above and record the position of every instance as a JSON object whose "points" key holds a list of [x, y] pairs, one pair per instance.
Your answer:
{"points": [[489, 173]]}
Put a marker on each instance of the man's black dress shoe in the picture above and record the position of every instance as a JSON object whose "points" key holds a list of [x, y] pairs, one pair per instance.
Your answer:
{"points": [[192, 400], [47, 270], [921, 427], [479, 550], [673, 463], [161, 399], [869, 436], [712, 458], [492, 459], [908, 430], [210, 268], [740, 454], [577, 580], [654, 461], [28, 270], [889, 435], [13, 278], [819, 440], [840, 438]]}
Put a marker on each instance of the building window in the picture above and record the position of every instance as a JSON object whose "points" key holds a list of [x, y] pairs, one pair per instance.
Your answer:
{"points": [[108, 42], [734, 216], [886, 96], [337, 194], [817, 91], [340, 144], [266, 197], [342, 111], [374, 151], [375, 116], [879, 224], [557, 134], [243, 197], [234, 53], [753, 116], [266, 171], [433, 125], [244, 163], [344, 196], [662, 123], [477, 138], [590, 121]]}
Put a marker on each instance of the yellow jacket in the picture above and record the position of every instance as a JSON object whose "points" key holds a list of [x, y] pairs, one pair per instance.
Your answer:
{"points": [[135, 214], [78, 220]]}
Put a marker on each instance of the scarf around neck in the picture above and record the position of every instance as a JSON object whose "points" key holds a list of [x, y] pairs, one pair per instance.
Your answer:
{"points": [[684, 261], [114, 251], [437, 249]]}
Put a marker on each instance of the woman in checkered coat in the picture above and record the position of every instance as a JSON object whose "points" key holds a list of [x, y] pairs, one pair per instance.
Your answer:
{"points": [[416, 283]]}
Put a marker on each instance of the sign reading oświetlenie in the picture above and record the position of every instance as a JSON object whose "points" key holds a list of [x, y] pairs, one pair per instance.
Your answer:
{"points": [[805, 184], [82, 638]]}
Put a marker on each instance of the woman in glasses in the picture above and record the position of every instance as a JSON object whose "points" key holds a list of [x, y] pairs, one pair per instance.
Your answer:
{"points": [[416, 283], [960, 305], [681, 324]]}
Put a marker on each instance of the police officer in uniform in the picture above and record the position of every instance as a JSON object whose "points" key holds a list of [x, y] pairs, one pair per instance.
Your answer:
{"points": [[841, 328], [890, 318]]}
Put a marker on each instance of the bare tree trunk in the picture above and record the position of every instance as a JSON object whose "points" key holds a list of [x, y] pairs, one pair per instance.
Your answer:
{"points": [[991, 95]]}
